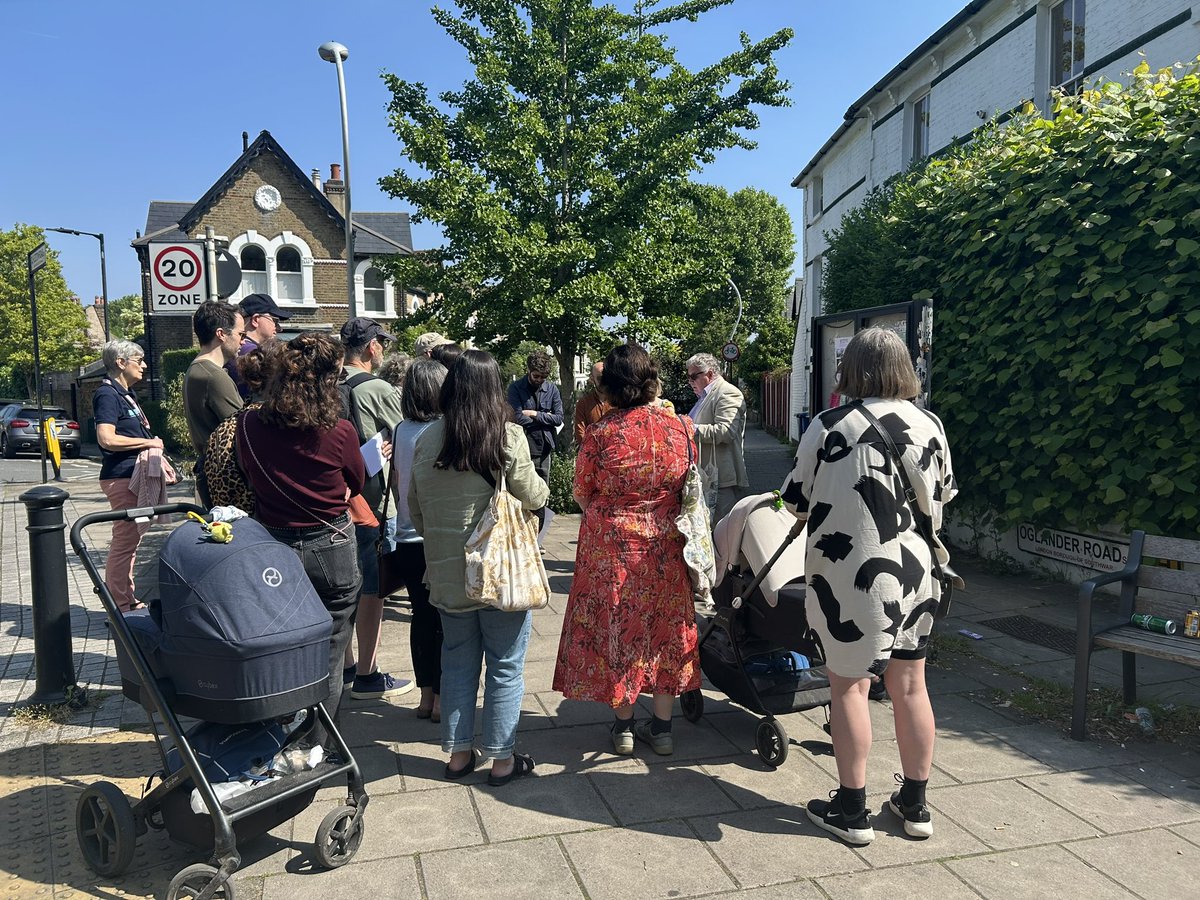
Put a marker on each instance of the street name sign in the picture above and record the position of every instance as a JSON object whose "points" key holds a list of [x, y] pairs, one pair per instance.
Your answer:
{"points": [[177, 278]]}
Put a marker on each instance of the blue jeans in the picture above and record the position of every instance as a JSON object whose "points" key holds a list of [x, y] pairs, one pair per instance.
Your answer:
{"points": [[469, 638]]}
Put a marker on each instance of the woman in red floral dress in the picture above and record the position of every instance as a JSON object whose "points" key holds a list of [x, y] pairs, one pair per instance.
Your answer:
{"points": [[630, 623]]}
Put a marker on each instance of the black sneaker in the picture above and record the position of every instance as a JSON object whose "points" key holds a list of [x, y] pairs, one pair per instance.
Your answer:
{"points": [[917, 822], [828, 814]]}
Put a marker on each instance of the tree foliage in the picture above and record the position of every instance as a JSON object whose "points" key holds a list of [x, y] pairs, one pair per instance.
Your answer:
{"points": [[1063, 257], [62, 323], [559, 174], [125, 320]]}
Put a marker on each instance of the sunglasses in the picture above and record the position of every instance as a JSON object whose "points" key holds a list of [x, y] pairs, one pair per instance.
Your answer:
{"points": [[692, 376]]}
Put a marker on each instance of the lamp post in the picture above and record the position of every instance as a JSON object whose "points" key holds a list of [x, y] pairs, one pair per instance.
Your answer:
{"points": [[332, 51], [103, 270]]}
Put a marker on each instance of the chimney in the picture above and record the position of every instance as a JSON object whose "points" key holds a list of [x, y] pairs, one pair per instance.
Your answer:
{"points": [[245, 141], [316, 178], [335, 188]]}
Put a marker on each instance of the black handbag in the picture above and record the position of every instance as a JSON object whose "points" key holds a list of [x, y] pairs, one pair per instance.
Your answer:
{"points": [[391, 573], [950, 580]]}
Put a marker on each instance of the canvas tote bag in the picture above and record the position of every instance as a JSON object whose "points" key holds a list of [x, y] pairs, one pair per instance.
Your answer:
{"points": [[695, 524], [504, 564]]}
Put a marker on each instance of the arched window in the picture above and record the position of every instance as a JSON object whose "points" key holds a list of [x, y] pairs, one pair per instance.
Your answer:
{"points": [[374, 294], [289, 282], [254, 270]]}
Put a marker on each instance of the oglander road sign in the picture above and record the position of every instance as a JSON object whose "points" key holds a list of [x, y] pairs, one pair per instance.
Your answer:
{"points": [[177, 278]]}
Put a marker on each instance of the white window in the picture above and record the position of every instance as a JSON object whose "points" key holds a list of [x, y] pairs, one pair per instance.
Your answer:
{"points": [[375, 295], [1066, 45], [374, 300], [289, 280], [254, 270], [816, 189], [919, 117]]}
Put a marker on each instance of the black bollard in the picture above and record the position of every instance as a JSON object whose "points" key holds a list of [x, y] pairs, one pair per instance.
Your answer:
{"points": [[52, 651]]}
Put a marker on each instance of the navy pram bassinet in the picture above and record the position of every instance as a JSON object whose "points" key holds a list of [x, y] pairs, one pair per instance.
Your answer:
{"points": [[238, 633]]}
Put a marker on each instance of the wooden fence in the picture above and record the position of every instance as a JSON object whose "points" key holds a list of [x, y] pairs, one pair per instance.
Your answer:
{"points": [[776, 402]]}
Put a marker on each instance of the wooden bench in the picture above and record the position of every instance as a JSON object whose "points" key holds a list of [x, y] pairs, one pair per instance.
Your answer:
{"points": [[1183, 587]]}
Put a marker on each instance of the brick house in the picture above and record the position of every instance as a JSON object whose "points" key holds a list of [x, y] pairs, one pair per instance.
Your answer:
{"points": [[984, 64], [287, 231]]}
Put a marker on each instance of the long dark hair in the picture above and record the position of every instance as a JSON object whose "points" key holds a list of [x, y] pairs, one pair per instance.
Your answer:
{"points": [[302, 390], [629, 377], [475, 412]]}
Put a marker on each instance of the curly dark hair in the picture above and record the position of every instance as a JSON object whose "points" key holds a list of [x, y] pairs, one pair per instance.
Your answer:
{"points": [[302, 389], [630, 377], [254, 367], [476, 412]]}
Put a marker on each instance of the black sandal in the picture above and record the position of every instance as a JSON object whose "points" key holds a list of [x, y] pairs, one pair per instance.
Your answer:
{"points": [[459, 774], [522, 765]]}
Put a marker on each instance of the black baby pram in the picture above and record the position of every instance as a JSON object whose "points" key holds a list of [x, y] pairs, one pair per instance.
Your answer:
{"points": [[237, 637], [759, 616]]}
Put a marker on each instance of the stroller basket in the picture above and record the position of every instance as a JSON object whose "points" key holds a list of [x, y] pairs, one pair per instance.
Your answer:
{"points": [[260, 657]]}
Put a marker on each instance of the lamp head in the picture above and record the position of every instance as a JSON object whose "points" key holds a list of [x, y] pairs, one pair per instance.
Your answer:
{"points": [[332, 51]]}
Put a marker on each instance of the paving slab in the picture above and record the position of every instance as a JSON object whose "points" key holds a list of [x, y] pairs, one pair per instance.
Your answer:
{"points": [[893, 847], [1170, 784], [1035, 874], [1190, 832], [769, 846], [657, 860], [753, 785], [380, 879], [1151, 863], [982, 757], [537, 805], [1108, 801], [791, 890], [652, 793], [535, 869], [1059, 751], [934, 881], [1006, 814]]}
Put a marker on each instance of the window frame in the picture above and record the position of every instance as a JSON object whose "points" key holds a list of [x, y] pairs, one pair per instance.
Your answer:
{"points": [[1067, 81], [918, 131]]}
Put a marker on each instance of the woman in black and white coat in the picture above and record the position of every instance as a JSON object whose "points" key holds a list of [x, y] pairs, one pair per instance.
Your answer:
{"points": [[871, 595]]}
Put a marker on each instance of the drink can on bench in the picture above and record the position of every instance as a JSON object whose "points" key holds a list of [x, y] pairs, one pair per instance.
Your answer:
{"points": [[1191, 624], [1153, 623]]}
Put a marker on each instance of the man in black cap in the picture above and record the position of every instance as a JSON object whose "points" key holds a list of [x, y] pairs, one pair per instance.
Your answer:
{"points": [[261, 316], [373, 407]]}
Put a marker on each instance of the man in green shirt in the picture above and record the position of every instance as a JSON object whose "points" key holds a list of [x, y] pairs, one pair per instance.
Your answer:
{"points": [[209, 394], [374, 407]]}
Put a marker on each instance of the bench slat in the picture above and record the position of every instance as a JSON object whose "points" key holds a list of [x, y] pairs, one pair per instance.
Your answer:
{"points": [[1172, 647], [1175, 581], [1171, 548]]}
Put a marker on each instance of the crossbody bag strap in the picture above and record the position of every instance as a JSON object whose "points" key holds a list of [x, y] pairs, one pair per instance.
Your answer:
{"points": [[241, 431], [924, 523]]}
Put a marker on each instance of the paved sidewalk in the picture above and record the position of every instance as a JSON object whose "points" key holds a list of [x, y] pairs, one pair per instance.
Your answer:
{"points": [[1020, 810]]}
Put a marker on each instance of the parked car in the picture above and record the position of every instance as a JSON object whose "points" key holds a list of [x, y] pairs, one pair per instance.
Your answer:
{"points": [[20, 431]]}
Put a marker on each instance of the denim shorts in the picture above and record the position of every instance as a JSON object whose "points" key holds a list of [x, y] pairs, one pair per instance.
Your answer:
{"points": [[368, 557]]}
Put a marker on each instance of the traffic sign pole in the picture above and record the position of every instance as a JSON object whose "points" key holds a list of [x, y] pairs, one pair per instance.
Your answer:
{"points": [[37, 259]]}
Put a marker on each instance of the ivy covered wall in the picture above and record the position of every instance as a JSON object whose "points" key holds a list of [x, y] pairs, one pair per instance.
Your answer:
{"points": [[1063, 258]]}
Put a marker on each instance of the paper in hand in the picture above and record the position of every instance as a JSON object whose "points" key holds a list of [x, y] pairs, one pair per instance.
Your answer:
{"points": [[372, 454]]}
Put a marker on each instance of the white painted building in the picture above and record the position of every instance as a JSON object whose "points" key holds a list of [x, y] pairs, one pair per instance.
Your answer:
{"points": [[983, 64]]}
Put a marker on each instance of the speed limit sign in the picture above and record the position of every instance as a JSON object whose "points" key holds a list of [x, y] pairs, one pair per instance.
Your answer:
{"points": [[177, 283]]}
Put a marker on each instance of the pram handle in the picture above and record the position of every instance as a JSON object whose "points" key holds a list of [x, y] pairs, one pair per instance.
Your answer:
{"points": [[133, 514], [794, 532]]}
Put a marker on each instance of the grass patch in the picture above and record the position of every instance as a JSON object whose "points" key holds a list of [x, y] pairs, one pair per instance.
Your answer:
{"points": [[46, 715]]}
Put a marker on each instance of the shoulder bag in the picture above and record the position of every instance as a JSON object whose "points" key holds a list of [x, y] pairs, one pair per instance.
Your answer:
{"points": [[695, 525], [227, 483], [946, 576], [391, 575], [504, 564]]}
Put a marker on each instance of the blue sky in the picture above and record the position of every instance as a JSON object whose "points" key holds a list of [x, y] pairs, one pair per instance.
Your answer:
{"points": [[119, 103]]}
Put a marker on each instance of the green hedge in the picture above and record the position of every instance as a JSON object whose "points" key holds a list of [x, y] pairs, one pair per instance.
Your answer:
{"points": [[176, 362], [1063, 258], [562, 480]]}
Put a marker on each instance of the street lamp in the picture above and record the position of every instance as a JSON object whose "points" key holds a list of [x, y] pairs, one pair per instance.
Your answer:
{"points": [[332, 51], [103, 270]]}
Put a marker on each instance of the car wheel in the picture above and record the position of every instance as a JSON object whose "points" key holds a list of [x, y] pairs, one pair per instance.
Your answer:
{"points": [[6, 448], [71, 452]]}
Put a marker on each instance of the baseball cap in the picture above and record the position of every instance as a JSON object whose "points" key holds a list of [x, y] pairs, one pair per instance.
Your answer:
{"points": [[261, 304], [428, 341], [359, 331]]}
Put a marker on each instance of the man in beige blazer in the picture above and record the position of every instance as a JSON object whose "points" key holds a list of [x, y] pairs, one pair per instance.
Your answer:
{"points": [[720, 417]]}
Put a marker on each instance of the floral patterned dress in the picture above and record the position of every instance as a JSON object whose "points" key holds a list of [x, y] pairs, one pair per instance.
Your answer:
{"points": [[630, 624]]}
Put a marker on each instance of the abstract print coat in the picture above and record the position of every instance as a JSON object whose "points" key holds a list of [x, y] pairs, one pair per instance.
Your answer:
{"points": [[871, 595]]}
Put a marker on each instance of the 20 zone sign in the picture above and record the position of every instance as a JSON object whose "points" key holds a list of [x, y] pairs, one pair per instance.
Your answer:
{"points": [[176, 278]]}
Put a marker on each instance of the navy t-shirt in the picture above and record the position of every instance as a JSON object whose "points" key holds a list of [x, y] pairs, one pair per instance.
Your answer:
{"points": [[116, 405]]}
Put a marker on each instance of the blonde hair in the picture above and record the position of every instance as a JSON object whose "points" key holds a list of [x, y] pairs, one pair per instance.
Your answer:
{"points": [[876, 364]]}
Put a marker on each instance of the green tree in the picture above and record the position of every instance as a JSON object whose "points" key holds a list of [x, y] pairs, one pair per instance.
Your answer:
{"points": [[559, 174], [125, 320], [62, 324]]}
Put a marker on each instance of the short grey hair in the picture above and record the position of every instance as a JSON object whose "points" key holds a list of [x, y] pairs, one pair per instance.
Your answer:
{"points": [[705, 362], [876, 364], [115, 350]]}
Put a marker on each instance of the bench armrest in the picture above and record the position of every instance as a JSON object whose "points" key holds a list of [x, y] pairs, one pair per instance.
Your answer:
{"points": [[1127, 575]]}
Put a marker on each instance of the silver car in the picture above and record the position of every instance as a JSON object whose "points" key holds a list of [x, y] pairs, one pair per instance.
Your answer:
{"points": [[20, 431]]}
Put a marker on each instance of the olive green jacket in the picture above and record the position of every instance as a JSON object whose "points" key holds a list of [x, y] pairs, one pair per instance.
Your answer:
{"points": [[446, 506]]}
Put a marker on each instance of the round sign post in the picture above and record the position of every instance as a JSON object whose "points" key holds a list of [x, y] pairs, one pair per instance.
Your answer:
{"points": [[730, 352], [177, 273]]}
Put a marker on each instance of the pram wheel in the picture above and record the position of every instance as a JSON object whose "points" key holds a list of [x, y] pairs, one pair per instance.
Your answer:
{"points": [[772, 742], [106, 829], [692, 704], [339, 837], [190, 882]]}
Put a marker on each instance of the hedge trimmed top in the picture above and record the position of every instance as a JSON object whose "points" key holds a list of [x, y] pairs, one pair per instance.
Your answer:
{"points": [[1063, 257]]}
